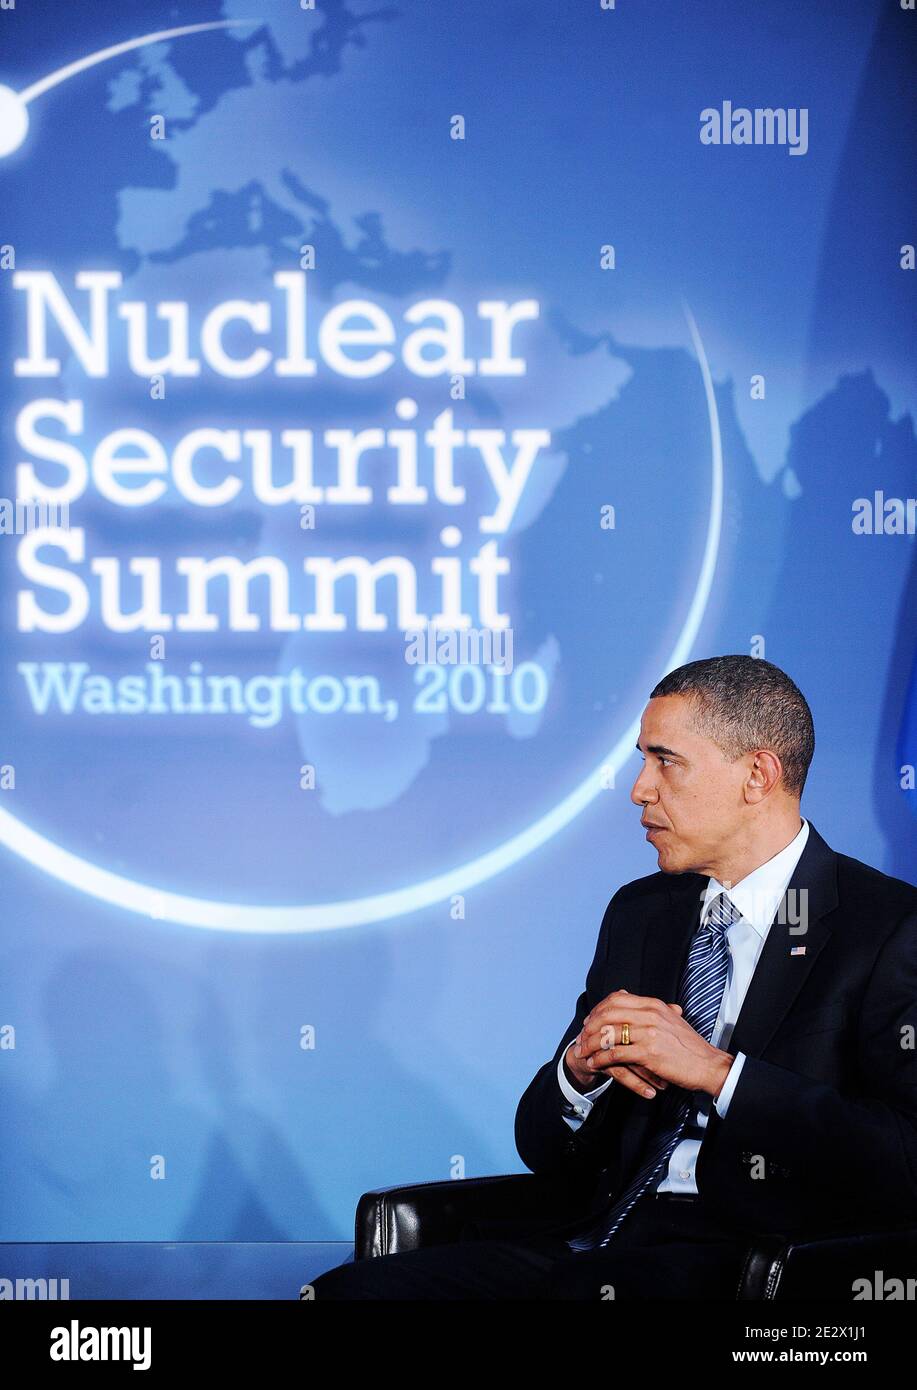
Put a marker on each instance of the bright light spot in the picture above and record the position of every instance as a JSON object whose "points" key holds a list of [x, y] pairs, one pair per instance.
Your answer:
{"points": [[14, 121]]}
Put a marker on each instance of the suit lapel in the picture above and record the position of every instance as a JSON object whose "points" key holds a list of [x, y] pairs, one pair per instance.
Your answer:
{"points": [[666, 943], [665, 949], [799, 922]]}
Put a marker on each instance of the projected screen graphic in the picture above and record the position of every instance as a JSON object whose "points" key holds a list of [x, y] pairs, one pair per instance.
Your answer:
{"points": [[332, 522], [342, 620], [389, 400]]}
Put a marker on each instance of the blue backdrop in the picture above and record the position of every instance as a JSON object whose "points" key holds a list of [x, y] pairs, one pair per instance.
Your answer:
{"points": [[482, 296]]}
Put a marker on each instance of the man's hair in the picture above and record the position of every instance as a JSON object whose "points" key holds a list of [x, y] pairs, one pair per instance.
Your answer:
{"points": [[744, 702]]}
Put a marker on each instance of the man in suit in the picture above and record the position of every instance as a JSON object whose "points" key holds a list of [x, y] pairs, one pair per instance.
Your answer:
{"points": [[742, 1059]]}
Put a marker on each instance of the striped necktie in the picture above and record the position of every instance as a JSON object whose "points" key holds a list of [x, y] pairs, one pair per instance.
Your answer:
{"points": [[703, 984]]}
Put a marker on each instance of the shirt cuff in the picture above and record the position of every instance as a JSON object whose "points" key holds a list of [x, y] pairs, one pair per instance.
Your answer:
{"points": [[579, 1103], [725, 1096]]}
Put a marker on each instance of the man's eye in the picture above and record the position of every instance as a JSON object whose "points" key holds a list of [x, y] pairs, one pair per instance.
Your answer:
{"points": [[666, 761]]}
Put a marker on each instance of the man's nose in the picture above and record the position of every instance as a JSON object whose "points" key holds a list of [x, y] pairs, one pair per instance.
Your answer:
{"points": [[643, 792]]}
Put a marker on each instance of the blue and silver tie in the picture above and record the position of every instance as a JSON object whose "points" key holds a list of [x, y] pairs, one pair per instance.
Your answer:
{"points": [[703, 984]]}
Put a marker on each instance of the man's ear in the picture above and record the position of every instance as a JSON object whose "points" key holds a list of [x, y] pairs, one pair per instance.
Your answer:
{"points": [[764, 775]]}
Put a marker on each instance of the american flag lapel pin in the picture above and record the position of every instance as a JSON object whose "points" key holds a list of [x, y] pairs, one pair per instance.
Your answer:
{"points": [[797, 950]]}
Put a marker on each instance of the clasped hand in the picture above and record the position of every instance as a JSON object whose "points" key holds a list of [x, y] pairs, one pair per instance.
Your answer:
{"points": [[664, 1049]]}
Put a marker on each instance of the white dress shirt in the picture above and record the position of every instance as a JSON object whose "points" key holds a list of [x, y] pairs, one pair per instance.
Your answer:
{"points": [[757, 897]]}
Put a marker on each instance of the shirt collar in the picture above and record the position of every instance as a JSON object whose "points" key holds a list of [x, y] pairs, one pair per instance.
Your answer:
{"points": [[757, 896]]}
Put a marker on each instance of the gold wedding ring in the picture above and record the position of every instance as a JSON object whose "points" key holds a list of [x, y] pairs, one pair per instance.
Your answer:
{"points": [[625, 1035]]}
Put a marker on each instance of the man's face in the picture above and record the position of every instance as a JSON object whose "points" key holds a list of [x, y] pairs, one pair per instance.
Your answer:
{"points": [[692, 797]]}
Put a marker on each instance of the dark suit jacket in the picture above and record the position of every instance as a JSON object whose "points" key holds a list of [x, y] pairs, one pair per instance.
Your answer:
{"points": [[828, 1093]]}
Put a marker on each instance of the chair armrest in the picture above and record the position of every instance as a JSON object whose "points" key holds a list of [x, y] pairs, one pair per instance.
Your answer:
{"points": [[828, 1267], [433, 1213]]}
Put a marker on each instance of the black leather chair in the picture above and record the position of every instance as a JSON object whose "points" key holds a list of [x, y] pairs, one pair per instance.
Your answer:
{"points": [[818, 1267]]}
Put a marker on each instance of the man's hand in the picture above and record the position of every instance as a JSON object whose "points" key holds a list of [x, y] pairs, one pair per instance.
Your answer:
{"points": [[636, 1078], [663, 1048]]}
